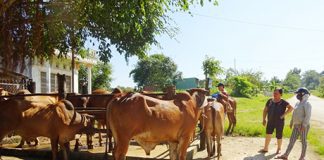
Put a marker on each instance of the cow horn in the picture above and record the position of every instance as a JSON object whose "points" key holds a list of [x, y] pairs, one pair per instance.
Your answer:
{"points": [[89, 116]]}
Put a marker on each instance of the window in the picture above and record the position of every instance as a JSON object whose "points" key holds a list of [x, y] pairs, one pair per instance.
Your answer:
{"points": [[68, 84], [43, 82], [53, 82]]}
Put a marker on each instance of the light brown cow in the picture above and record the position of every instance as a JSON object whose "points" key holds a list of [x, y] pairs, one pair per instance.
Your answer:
{"points": [[58, 121], [230, 110], [151, 121], [213, 126]]}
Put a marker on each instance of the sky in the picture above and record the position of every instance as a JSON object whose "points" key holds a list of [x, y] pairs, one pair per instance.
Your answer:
{"points": [[259, 35]]}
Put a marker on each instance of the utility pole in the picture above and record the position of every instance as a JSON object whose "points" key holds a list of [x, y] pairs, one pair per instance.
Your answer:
{"points": [[235, 65]]}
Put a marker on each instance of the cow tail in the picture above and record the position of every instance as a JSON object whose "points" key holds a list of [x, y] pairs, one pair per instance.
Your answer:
{"points": [[214, 118]]}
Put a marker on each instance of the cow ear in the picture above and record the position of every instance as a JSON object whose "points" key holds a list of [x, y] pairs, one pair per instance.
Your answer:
{"points": [[62, 115]]}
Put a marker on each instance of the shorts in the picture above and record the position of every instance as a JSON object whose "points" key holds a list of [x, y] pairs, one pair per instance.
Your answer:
{"points": [[279, 129]]}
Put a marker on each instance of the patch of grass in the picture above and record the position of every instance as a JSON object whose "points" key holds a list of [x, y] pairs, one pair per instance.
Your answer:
{"points": [[316, 139]]}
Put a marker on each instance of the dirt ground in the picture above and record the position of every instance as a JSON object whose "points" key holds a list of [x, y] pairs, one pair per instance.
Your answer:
{"points": [[246, 148], [233, 148]]}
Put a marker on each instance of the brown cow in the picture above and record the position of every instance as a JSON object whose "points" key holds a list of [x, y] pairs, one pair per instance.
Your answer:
{"points": [[38, 99], [80, 102], [213, 126], [230, 109], [58, 121], [151, 121]]}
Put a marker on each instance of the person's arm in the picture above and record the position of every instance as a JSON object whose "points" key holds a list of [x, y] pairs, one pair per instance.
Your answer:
{"points": [[308, 112], [290, 108], [265, 112]]}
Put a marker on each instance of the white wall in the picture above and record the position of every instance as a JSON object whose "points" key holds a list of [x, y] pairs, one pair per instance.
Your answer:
{"points": [[37, 69]]}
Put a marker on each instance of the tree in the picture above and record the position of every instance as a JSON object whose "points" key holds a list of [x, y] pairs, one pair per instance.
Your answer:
{"points": [[211, 67], [156, 70], [241, 87], [293, 79], [83, 79], [274, 83], [321, 87], [32, 28], [310, 79], [255, 77], [101, 76]]}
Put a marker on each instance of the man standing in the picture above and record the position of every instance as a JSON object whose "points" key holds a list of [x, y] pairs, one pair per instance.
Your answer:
{"points": [[299, 122], [275, 111]]}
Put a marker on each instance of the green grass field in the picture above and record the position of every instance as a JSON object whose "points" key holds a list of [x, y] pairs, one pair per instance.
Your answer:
{"points": [[249, 116]]}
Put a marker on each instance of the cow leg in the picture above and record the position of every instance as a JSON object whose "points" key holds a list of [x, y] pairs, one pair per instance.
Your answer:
{"points": [[54, 146], [66, 150], [214, 146], [173, 150], [100, 138], [89, 135], [182, 147], [109, 136], [234, 123], [230, 121], [121, 148], [219, 145], [1, 137], [209, 145]]}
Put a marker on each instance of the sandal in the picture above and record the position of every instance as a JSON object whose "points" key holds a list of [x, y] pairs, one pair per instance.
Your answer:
{"points": [[278, 152], [282, 157], [262, 151]]}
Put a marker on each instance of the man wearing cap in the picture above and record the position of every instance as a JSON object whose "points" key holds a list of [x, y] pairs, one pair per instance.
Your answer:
{"points": [[299, 122], [221, 89]]}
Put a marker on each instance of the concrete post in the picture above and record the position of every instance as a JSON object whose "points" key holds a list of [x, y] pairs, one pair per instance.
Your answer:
{"points": [[89, 79]]}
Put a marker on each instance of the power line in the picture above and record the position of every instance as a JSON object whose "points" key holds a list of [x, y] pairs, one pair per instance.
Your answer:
{"points": [[259, 24]]}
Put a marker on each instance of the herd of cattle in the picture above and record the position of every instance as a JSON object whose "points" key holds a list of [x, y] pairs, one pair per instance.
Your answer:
{"points": [[147, 119]]}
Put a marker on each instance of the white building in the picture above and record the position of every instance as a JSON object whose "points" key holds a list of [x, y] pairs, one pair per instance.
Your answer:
{"points": [[45, 73]]}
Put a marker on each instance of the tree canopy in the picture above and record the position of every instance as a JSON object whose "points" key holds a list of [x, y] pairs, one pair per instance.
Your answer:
{"points": [[156, 70], [101, 76], [32, 28], [293, 79], [211, 67], [311, 79]]}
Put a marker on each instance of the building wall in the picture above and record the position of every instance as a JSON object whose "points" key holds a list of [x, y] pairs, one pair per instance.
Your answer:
{"points": [[52, 68], [187, 83]]}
